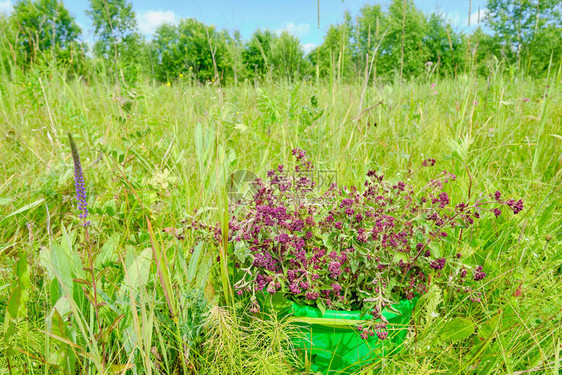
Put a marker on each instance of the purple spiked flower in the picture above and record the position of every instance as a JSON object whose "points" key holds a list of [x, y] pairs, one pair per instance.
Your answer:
{"points": [[79, 182]]}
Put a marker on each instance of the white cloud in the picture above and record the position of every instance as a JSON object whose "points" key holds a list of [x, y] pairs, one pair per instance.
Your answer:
{"points": [[308, 47], [474, 17], [150, 20], [6, 6], [461, 20], [295, 30]]}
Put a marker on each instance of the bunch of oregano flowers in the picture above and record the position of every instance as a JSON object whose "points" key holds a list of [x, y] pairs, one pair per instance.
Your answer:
{"points": [[349, 248]]}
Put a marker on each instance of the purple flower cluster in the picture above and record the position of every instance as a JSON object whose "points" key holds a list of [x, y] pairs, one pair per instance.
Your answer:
{"points": [[438, 264], [479, 274], [429, 162], [515, 206], [344, 252], [79, 182]]}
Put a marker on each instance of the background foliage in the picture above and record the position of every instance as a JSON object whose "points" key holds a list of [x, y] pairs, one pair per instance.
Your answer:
{"points": [[153, 153], [391, 42]]}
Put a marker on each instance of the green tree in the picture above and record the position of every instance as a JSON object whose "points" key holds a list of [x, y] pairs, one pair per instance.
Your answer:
{"points": [[45, 30], [444, 45], [235, 47], [403, 47], [371, 25], [115, 26], [334, 57], [546, 46], [520, 23], [8, 55], [257, 54], [486, 52], [192, 47], [287, 57]]}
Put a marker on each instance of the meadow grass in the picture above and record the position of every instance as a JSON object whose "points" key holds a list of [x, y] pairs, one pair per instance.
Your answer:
{"points": [[153, 154]]}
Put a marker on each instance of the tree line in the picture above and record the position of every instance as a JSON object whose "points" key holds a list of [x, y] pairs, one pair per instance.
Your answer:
{"points": [[378, 43]]}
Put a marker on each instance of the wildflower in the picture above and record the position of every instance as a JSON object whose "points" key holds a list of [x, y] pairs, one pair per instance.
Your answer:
{"points": [[443, 200], [479, 274], [335, 269], [255, 307], [497, 195], [382, 335], [336, 287], [518, 207], [79, 182], [515, 206], [168, 84], [428, 163], [438, 264], [312, 296], [271, 288], [497, 212], [294, 288]]}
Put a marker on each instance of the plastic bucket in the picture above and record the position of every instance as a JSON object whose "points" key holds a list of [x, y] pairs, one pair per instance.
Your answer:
{"points": [[332, 344]]}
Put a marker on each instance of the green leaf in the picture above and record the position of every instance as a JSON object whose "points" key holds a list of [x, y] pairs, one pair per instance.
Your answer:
{"points": [[456, 329], [63, 263], [108, 251], [490, 327], [19, 295], [241, 251], [13, 303], [279, 302], [110, 208], [65, 356], [203, 271], [194, 261], [27, 207], [138, 270], [400, 256], [321, 306]]}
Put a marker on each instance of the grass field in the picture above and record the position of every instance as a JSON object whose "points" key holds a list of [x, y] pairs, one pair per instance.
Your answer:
{"points": [[159, 153]]}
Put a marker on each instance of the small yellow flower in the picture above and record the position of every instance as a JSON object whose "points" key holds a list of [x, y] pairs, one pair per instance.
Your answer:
{"points": [[168, 84], [181, 75], [237, 113]]}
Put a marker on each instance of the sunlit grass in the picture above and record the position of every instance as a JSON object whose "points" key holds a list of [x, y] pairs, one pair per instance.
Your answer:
{"points": [[161, 152]]}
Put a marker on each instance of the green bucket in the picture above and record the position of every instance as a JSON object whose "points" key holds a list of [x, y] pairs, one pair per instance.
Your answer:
{"points": [[332, 344]]}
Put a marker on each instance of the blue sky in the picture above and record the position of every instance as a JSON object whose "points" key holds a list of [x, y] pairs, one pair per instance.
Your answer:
{"points": [[299, 17]]}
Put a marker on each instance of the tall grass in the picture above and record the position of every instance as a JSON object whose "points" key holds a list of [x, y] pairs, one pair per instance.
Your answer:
{"points": [[153, 154]]}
